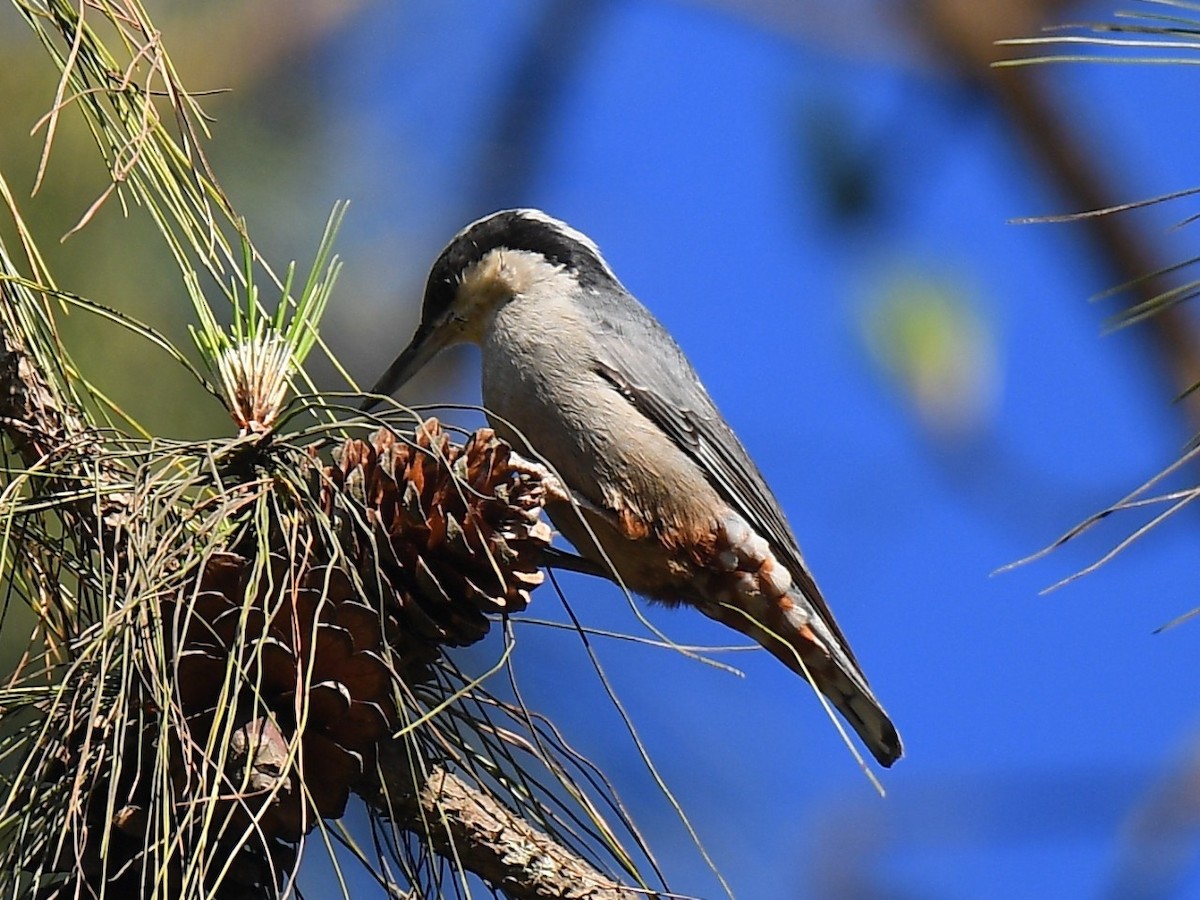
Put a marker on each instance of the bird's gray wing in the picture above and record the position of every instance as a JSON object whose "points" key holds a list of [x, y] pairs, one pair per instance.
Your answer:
{"points": [[664, 388]]}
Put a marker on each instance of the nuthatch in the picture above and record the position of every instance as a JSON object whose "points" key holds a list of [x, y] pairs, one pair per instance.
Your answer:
{"points": [[654, 483]]}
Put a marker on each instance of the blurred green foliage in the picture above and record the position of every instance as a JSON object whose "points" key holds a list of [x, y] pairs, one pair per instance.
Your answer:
{"points": [[266, 122]]}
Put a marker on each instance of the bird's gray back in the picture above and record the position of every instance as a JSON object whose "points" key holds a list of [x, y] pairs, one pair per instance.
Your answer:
{"points": [[562, 369], [665, 388]]}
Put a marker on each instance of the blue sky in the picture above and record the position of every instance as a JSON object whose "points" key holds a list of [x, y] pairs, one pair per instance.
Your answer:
{"points": [[682, 142]]}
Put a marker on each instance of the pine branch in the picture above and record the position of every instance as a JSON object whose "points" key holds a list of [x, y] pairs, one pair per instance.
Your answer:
{"points": [[229, 630], [458, 821], [41, 424], [486, 837]]}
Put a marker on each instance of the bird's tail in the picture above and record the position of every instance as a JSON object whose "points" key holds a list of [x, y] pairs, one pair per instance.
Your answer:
{"points": [[795, 633]]}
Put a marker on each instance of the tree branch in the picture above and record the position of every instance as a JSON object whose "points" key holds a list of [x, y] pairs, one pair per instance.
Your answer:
{"points": [[486, 837], [41, 424]]}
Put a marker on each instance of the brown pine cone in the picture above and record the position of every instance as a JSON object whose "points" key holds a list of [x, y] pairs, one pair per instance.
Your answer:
{"points": [[303, 633], [284, 669], [459, 530]]}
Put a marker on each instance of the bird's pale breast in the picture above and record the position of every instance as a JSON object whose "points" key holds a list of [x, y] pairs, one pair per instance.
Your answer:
{"points": [[544, 396]]}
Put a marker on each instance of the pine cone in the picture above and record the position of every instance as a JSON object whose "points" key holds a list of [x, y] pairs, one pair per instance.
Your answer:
{"points": [[249, 653], [304, 632], [433, 538], [457, 531], [459, 534]]}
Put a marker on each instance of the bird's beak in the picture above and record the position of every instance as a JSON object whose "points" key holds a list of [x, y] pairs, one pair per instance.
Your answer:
{"points": [[424, 346]]}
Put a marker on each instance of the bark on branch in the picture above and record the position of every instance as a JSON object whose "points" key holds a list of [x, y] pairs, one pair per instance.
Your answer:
{"points": [[490, 840], [40, 424]]}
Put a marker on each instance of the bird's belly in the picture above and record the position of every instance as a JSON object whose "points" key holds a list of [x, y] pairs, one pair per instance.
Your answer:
{"points": [[652, 512], [644, 565]]}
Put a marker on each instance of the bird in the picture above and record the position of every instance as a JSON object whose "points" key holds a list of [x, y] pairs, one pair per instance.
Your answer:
{"points": [[655, 488]]}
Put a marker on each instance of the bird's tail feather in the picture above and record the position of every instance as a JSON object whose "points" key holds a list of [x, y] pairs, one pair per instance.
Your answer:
{"points": [[805, 644]]}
